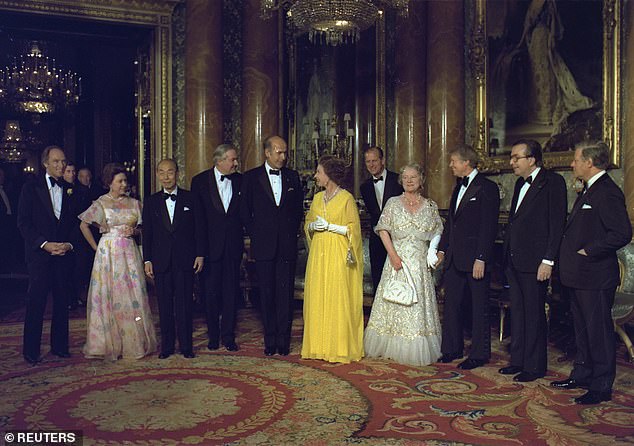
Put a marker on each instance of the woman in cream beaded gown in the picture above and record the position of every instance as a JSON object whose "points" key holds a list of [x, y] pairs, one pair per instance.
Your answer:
{"points": [[119, 318], [410, 229], [333, 294]]}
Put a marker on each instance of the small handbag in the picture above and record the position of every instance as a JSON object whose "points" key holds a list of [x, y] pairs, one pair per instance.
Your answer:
{"points": [[350, 259], [399, 287]]}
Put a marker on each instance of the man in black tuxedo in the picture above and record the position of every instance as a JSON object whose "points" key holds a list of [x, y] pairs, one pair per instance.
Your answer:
{"points": [[598, 226], [92, 189], [46, 218], [466, 246], [272, 210], [531, 244], [219, 192], [173, 250], [375, 191]]}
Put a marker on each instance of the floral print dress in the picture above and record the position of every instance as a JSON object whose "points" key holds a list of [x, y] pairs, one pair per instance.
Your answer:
{"points": [[119, 317]]}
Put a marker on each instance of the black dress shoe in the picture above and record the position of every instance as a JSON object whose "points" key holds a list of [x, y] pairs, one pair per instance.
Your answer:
{"points": [[60, 354], [284, 351], [189, 354], [510, 370], [593, 397], [165, 355], [31, 359], [213, 345], [232, 346], [269, 351], [469, 364], [569, 384], [449, 358], [526, 377]]}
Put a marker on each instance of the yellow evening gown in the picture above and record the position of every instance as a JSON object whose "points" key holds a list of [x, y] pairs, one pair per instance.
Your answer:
{"points": [[333, 293]]}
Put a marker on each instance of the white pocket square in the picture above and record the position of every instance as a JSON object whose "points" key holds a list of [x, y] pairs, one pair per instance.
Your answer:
{"points": [[586, 206], [472, 199], [185, 208]]}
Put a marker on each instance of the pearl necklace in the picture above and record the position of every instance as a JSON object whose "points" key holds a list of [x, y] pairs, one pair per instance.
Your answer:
{"points": [[327, 198], [412, 202]]}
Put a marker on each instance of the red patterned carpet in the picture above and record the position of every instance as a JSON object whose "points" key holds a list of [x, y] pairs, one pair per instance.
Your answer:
{"points": [[247, 398]]}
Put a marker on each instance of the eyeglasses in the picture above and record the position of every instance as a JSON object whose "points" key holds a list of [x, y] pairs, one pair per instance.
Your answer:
{"points": [[515, 158]]}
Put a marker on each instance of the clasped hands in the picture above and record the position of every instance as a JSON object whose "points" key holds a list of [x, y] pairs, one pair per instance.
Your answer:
{"points": [[321, 225], [57, 248]]}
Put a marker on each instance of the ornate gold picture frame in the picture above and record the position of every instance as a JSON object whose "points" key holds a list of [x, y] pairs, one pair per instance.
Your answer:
{"points": [[486, 107]]}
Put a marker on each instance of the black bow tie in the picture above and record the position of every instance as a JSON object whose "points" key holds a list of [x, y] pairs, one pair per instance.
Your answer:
{"points": [[464, 181], [376, 180], [54, 182], [170, 196], [222, 177], [528, 180], [274, 171]]}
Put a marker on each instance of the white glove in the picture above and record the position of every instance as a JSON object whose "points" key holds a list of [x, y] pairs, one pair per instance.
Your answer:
{"points": [[432, 252], [318, 225], [337, 229]]}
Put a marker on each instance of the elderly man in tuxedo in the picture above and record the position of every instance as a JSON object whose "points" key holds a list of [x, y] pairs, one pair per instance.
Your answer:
{"points": [[531, 245], [466, 247], [376, 190], [219, 192], [46, 218], [598, 225], [173, 250], [272, 210]]}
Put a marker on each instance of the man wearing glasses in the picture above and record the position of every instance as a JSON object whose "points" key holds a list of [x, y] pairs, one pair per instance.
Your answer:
{"points": [[531, 245]]}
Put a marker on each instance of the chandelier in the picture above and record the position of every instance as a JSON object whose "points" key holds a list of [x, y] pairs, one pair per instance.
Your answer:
{"points": [[12, 145], [33, 83], [332, 22]]}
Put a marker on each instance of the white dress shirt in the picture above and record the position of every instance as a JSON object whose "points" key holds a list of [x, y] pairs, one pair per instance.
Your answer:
{"points": [[379, 187], [55, 193], [525, 188], [463, 189], [276, 183], [592, 180], [171, 204], [224, 188]]}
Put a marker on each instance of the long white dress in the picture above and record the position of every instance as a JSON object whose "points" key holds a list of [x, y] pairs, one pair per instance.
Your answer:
{"points": [[407, 334]]}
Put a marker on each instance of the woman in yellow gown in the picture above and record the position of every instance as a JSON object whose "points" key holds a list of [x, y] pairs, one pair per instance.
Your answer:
{"points": [[333, 294]]}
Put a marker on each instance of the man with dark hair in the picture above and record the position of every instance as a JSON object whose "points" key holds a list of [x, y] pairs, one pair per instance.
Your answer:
{"points": [[272, 210], [46, 218], [466, 246], [219, 191], [376, 190], [598, 226], [173, 250], [531, 245]]}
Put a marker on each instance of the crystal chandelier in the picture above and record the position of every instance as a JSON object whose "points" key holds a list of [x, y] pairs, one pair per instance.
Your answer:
{"points": [[33, 83], [332, 22], [12, 145]]}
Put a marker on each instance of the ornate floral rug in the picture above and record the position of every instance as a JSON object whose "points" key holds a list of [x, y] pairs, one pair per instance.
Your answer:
{"points": [[246, 398]]}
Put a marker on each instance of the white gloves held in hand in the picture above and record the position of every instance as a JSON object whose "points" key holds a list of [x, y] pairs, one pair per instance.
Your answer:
{"points": [[320, 225], [432, 252]]}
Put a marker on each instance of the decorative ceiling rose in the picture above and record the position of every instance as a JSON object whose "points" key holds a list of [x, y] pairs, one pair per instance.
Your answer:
{"points": [[332, 22], [33, 83]]}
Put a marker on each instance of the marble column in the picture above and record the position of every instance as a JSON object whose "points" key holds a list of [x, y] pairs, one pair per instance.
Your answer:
{"points": [[627, 149], [409, 90], [445, 93], [203, 84], [260, 83]]}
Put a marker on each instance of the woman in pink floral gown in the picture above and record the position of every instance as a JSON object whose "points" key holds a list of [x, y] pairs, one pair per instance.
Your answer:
{"points": [[119, 318]]}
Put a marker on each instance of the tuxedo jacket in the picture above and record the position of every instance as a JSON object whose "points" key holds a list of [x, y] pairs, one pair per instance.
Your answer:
{"points": [[392, 189], [471, 229], [173, 244], [37, 222], [534, 231], [224, 229], [599, 224], [273, 229]]}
